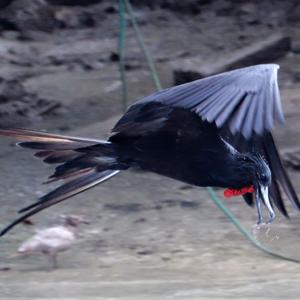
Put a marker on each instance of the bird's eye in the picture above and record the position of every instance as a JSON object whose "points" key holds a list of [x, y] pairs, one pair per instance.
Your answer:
{"points": [[264, 178]]}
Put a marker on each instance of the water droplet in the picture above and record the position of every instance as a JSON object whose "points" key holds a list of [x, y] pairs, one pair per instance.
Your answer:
{"points": [[263, 233]]}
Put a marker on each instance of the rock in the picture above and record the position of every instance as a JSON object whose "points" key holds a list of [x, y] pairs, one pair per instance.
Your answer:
{"points": [[295, 47], [247, 13], [149, 3], [68, 18], [184, 7], [30, 15], [125, 208], [291, 159], [6, 24], [293, 15], [11, 35], [86, 19], [247, 9], [132, 65], [263, 51], [73, 2], [296, 76], [224, 8], [112, 9], [5, 3], [11, 90], [16, 103], [275, 18], [205, 2], [145, 252], [114, 57], [189, 204]]}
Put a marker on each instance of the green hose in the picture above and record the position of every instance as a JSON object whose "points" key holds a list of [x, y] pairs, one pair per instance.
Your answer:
{"points": [[141, 42], [122, 46]]}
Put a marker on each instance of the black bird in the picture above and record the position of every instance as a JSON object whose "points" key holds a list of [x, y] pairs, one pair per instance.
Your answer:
{"points": [[210, 132]]}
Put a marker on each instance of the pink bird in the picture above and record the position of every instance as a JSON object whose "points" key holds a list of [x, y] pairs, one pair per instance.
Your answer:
{"points": [[51, 241]]}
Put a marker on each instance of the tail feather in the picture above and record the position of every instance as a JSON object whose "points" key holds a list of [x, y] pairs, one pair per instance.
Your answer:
{"points": [[83, 163], [40, 140], [72, 188], [62, 193], [58, 157], [47, 145], [67, 176], [40, 136]]}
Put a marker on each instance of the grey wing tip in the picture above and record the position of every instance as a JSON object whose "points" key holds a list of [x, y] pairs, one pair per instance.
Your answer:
{"points": [[246, 134], [281, 119], [270, 68], [274, 66]]}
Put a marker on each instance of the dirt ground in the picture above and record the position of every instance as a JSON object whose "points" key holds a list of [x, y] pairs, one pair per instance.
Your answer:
{"points": [[150, 237]]}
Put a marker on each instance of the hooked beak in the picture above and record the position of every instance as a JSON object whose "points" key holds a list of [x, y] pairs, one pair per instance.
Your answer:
{"points": [[262, 196]]}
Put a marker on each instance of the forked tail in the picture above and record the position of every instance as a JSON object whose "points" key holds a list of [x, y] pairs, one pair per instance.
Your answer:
{"points": [[83, 163]]}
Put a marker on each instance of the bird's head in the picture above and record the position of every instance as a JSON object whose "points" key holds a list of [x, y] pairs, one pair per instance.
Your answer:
{"points": [[74, 220], [254, 170], [262, 177], [261, 171]]}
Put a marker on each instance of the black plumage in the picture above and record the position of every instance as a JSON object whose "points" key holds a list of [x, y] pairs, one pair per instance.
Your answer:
{"points": [[210, 132]]}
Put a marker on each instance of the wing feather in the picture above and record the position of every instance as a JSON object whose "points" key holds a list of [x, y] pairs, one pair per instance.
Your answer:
{"points": [[268, 108], [240, 113], [250, 117], [224, 118], [221, 105], [279, 171], [205, 95]]}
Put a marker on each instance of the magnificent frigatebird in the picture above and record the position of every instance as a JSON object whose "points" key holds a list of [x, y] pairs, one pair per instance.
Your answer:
{"points": [[214, 132]]}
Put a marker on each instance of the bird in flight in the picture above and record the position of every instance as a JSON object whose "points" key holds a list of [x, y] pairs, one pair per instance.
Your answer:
{"points": [[212, 132]]}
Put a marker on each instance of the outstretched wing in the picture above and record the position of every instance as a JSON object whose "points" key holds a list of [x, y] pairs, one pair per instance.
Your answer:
{"points": [[247, 100], [243, 103]]}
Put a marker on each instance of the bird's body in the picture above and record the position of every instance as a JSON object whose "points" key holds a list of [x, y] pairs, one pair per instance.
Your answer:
{"points": [[185, 148], [52, 240], [210, 132], [48, 241]]}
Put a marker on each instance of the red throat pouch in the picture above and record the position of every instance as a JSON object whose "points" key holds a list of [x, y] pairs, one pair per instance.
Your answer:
{"points": [[228, 193]]}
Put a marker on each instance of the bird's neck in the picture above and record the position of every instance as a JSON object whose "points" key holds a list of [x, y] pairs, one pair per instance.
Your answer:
{"points": [[239, 172], [71, 228]]}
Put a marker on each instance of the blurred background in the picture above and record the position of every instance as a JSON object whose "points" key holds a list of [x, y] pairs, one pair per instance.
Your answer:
{"points": [[149, 237]]}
